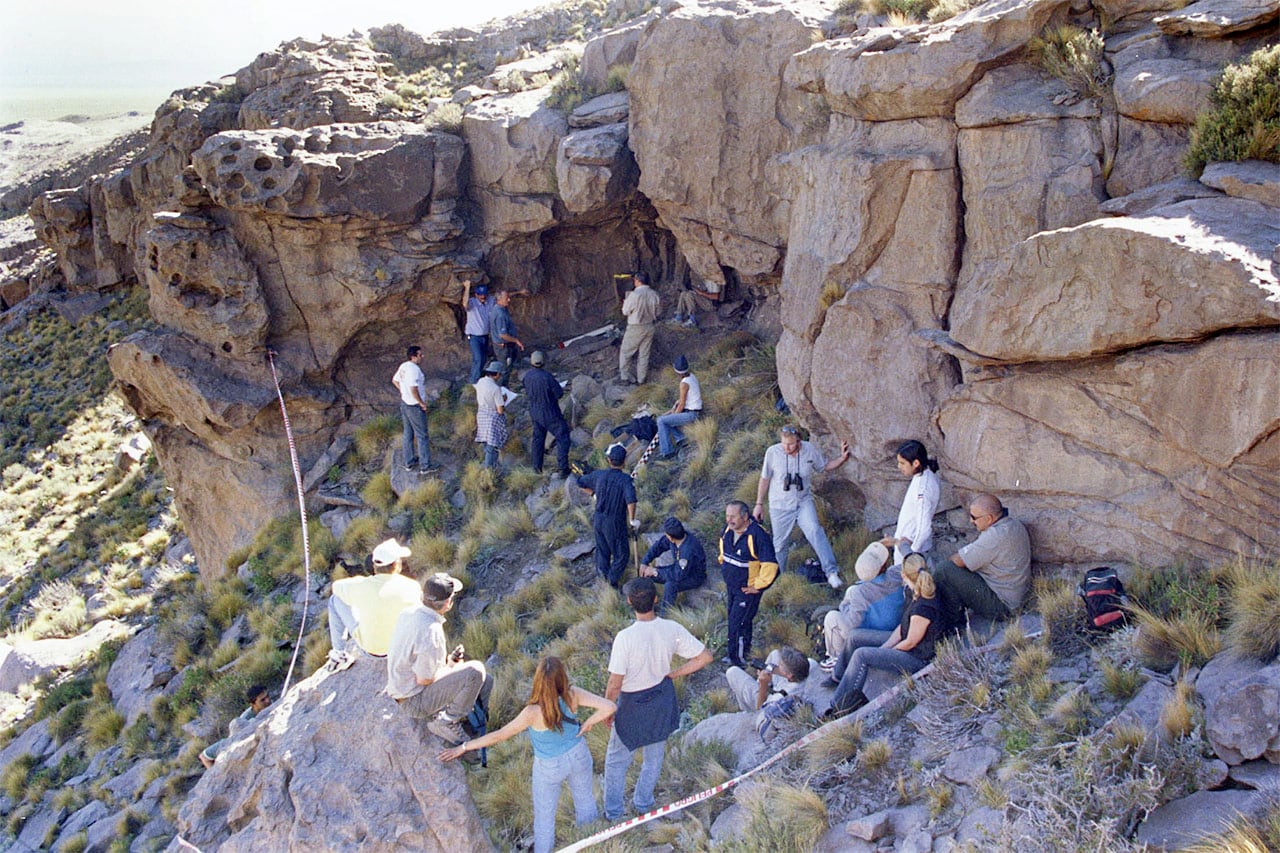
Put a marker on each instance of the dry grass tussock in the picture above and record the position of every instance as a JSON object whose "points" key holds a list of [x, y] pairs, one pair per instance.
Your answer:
{"points": [[780, 817], [1259, 833], [1253, 629], [1074, 56], [1191, 638]]}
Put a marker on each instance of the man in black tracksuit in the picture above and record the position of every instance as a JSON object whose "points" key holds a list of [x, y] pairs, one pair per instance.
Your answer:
{"points": [[615, 514], [749, 567], [544, 394]]}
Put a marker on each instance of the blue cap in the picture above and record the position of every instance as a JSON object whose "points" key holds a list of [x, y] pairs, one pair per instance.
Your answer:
{"points": [[681, 364]]}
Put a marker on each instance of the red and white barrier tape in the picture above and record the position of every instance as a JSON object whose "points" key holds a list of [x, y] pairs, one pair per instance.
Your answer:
{"points": [[302, 513], [678, 805], [876, 703]]}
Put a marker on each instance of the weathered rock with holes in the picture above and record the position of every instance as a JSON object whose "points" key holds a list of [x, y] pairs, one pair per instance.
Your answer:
{"points": [[305, 83], [301, 779], [1242, 718]]}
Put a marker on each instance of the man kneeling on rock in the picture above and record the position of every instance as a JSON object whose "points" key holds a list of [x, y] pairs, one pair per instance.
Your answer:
{"points": [[423, 676]]}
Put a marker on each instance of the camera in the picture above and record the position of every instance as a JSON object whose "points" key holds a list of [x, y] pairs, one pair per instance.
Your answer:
{"points": [[457, 654], [793, 480]]}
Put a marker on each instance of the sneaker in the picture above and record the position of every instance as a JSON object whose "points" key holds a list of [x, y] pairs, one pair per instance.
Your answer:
{"points": [[338, 661], [449, 731], [428, 469], [834, 580], [411, 468], [690, 323], [828, 664]]}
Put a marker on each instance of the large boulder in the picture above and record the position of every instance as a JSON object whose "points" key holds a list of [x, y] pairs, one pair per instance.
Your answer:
{"points": [[334, 766], [595, 169], [1241, 709], [1218, 18], [705, 155], [138, 674], [607, 51], [856, 286], [888, 73], [1178, 273], [1112, 462], [25, 661]]}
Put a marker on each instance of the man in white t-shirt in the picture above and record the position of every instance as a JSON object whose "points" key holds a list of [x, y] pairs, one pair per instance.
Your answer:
{"points": [[640, 681], [412, 385], [787, 480]]}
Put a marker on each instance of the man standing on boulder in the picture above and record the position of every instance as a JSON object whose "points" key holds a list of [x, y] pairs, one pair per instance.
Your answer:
{"points": [[641, 308], [640, 682], [423, 676], [476, 302], [412, 385], [615, 515], [543, 393], [749, 568], [787, 480]]}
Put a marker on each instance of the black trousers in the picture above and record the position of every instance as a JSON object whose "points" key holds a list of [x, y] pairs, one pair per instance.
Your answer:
{"points": [[742, 612], [537, 448]]}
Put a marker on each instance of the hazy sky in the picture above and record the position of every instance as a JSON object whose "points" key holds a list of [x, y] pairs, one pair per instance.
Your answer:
{"points": [[163, 45]]}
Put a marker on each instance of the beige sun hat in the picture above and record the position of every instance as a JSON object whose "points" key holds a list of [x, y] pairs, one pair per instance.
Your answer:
{"points": [[871, 561]]}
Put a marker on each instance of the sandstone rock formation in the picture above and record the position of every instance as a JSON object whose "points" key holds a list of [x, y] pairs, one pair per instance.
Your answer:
{"points": [[333, 766], [950, 245]]}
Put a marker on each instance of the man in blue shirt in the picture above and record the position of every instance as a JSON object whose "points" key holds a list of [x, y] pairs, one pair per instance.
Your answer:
{"points": [[543, 392], [615, 514], [476, 302], [502, 329], [749, 566], [688, 571]]}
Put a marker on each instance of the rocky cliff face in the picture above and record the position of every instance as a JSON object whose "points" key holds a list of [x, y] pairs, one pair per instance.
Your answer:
{"points": [[951, 244]]}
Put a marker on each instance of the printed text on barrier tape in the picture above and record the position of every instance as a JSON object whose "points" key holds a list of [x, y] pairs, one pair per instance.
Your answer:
{"points": [[678, 805]]}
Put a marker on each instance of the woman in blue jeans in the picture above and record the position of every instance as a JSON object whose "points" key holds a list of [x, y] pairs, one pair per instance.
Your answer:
{"points": [[560, 753], [908, 648]]}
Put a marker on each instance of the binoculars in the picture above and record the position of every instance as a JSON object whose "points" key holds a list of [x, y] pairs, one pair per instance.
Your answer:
{"points": [[793, 480]]}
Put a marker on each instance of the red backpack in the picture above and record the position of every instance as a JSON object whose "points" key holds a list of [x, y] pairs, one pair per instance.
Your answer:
{"points": [[1104, 599]]}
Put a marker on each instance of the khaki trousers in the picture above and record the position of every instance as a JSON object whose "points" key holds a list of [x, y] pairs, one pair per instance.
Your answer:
{"points": [[637, 341]]}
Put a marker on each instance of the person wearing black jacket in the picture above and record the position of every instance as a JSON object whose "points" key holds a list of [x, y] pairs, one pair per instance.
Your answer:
{"points": [[544, 393], [689, 569]]}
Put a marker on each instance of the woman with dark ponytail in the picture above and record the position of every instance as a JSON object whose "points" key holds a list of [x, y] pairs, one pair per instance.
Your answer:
{"points": [[915, 520]]}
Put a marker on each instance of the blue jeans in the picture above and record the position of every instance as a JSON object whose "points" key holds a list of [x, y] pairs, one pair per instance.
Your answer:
{"points": [[491, 456], [806, 515], [415, 427], [669, 427], [479, 352], [857, 662], [549, 775], [616, 761]]}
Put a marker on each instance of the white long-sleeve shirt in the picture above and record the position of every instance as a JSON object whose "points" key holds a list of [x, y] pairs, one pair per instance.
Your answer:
{"points": [[915, 519]]}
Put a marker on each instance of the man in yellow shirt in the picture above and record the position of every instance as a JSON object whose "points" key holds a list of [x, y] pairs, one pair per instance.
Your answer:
{"points": [[363, 610]]}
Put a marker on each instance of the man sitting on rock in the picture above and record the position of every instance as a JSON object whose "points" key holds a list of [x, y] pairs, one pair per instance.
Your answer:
{"points": [[687, 571], [363, 610], [990, 575], [686, 304], [428, 681], [259, 700], [787, 680]]}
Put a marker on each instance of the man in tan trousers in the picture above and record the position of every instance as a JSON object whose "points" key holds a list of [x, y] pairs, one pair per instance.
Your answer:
{"points": [[641, 309]]}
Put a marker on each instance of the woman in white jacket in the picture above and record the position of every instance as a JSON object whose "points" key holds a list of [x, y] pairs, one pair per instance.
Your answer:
{"points": [[915, 520]]}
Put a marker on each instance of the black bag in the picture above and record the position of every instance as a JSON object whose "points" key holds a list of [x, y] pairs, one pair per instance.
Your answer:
{"points": [[476, 724], [1104, 599], [812, 571]]}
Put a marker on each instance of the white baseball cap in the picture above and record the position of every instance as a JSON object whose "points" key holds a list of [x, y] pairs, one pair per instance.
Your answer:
{"points": [[388, 552]]}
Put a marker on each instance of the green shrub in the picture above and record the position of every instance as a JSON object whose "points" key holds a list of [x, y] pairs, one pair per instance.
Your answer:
{"points": [[446, 118], [1074, 56], [1243, 121]]}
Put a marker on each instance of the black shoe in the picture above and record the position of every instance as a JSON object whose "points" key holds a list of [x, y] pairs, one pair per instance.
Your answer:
{"points": [[730, 660]]}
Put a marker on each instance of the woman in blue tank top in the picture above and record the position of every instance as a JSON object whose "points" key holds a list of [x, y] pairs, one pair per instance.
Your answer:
{"points": [[560, 753]]}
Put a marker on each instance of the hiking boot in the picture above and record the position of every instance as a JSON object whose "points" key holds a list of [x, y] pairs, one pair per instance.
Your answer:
{"points": [[449, 731]]}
